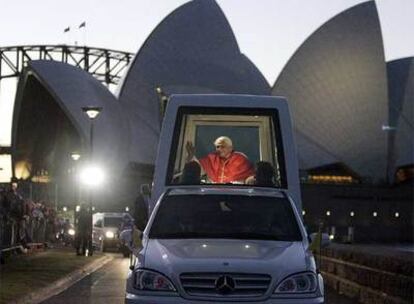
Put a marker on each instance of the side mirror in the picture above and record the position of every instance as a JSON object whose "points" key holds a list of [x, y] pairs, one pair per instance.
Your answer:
{"points": [[320, 238]]}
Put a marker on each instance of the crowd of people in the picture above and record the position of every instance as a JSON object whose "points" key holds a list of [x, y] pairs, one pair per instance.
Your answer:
{"points": [[24, 221]]}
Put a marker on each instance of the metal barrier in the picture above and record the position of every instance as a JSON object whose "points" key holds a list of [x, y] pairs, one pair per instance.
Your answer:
{"points": [[28, 230]]}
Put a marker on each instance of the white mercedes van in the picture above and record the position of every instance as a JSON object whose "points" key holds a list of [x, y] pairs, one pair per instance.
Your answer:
{"points": [[231, 242], [106, 229]]}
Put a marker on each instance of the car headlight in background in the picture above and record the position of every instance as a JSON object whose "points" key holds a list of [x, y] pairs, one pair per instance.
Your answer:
{"points": [[152, 281], [109, 234], [298, 283], [71, 231]]}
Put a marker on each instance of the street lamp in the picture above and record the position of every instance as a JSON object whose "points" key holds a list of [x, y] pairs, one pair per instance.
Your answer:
{"points": [[163, 99], [92, 176], [92, 112], [75, 156], [391, 159], [76, 190]]}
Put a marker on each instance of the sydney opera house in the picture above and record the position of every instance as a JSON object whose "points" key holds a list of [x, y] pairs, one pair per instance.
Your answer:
{"points": [[352, 113]]}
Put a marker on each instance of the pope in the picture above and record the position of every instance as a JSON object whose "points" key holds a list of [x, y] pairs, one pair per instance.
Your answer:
{"points": [[224, 165]]}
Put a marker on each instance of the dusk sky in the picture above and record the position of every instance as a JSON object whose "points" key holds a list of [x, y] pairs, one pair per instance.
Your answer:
{"points": [[268, 31]]}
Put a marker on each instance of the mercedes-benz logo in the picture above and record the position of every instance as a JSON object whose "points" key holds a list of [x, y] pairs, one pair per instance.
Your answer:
{"points": [[225, 284]]}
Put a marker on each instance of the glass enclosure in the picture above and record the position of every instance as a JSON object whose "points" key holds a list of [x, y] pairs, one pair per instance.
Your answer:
{"points": [[250, 154]]}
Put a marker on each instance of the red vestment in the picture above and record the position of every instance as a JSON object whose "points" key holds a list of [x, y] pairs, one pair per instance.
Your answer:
{"points": [[219, 170]]}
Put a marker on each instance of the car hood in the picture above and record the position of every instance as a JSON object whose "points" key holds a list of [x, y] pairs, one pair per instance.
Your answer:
{"points": [[278, 259]]}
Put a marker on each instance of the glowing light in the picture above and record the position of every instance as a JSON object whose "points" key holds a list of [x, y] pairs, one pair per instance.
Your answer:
{"points": [[92, 112], [331, 236], [109, 235], [352, 213], [77, 209], [75, 156], [374, 214], [303, 212], [127, 209], [92, 176], [328, 213], [22, 169], [247, 246], [397, 214], [71, 231], [331, 179], [388, 128], [204, 245], [65, 209]]}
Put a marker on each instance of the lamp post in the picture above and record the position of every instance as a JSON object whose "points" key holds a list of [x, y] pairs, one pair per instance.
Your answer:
{"points": [[92, 113], [75, 157], [391, 130], [163, 99]]}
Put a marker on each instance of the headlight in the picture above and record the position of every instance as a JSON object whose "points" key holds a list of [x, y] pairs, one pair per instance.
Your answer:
{"points": [[71, 231], [298, 283], [109, 235], [151, 280]]}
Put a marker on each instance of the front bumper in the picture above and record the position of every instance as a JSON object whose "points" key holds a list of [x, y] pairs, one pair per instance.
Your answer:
{"points": [[144, 299]]}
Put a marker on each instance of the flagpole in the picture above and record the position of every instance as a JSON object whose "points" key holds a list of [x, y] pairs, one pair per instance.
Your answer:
{"points": [[84, 35], [83, 25], [67, 30]]}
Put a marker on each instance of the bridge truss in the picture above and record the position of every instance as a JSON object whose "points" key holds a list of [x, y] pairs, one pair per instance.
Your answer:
{"points": [[106, 65]]}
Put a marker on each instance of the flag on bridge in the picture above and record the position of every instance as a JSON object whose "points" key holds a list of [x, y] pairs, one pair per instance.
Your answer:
{"points": [[83, 24]]}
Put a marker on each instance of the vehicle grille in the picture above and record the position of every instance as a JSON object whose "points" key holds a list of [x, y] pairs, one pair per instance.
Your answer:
{"points": [[240, 284]]}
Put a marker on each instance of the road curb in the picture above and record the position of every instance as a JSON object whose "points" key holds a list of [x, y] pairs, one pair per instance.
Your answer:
{"points": [[60, 285]]}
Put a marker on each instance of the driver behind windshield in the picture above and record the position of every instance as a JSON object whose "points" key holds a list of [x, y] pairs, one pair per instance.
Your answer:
{"points": [[224, 165]]}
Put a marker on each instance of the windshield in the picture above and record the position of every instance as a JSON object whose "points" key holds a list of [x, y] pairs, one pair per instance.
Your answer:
{"points": [[225, 216], [113, 221]]}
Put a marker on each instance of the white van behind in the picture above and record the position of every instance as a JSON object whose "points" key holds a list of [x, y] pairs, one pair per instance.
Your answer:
{"points": [[106, 229]]}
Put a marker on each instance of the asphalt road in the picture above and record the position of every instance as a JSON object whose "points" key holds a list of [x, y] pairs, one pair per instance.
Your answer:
{"points": [[107, 286]]}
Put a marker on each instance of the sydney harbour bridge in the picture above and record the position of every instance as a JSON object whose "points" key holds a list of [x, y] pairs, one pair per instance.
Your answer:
{"points": [[104, 64]]}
